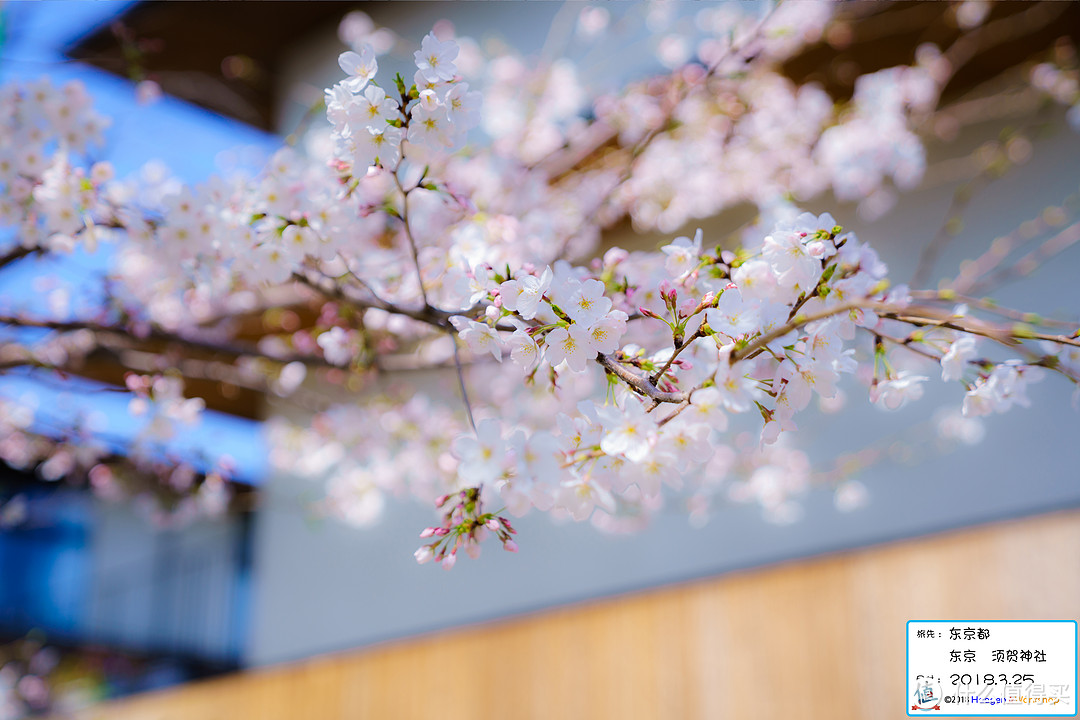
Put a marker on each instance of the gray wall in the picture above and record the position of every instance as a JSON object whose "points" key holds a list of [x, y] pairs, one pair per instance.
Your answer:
{"points": [[175, 590]]}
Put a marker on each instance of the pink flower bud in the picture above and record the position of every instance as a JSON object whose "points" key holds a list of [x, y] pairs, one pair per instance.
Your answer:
{"points": [[100, 476], [614, 256], [427, 532], [424, 554], [510, 546], [448, 561], [693, 73], [147, 92]]}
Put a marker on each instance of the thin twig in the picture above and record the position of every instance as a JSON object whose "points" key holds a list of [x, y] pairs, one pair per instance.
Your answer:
{"points": [[675, 413], [907, 343], [428, 315], [655, 379], [997, 32], [1025, 265], [409, 235], [461, 379], [930, 253], [990, 306], [1004, 337]]}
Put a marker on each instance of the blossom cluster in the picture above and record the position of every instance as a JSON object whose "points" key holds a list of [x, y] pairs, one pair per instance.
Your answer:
{"points": [[46, 194], [369, 126], [591, 386], [464, 526]]}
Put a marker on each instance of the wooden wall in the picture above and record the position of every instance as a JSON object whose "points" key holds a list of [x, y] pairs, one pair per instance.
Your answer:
{"points": [[822, 638]]}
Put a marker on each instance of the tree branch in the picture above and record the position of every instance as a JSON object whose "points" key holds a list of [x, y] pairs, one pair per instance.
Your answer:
{"points": [[428, 315], [638, 383], [223, 347], [797, 322], [655, 379], [18, 253]]}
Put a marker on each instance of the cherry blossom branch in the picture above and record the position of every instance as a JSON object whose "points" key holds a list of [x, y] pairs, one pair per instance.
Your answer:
{"points": [[795, 323], [1008, 337], [655, 379], [363, 283], [428, 315], [157, 334], [919, 317], [908, 343], [222, 372], [638, 383], [564, 161]]}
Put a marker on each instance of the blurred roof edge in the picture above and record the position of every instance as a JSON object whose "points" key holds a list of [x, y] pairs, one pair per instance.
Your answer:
{"points": [[232, 68]]}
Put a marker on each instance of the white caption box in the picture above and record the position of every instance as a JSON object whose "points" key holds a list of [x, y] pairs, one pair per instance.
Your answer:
{"points": [[991, 668]]}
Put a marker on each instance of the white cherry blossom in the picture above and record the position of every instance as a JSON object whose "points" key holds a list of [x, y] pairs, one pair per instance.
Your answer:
{"points": [[523, 350], [361, 67], [682, 254], [954, 361], [480, 338], [571, 344], [435, 58], [897, 391]]}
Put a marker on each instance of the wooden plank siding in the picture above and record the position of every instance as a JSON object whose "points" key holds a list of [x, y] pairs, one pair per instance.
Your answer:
{"points": [[821, 638]]}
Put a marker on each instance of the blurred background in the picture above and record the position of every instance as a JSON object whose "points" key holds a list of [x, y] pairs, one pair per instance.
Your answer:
{"points": [[734, 615]]}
